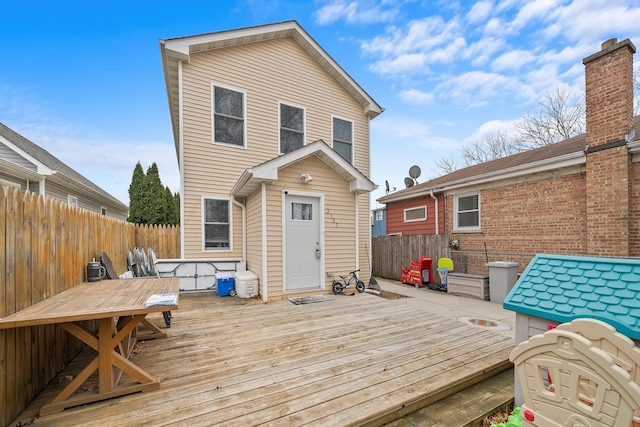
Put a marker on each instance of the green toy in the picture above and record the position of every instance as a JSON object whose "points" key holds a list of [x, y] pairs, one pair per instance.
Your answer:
{"points": [[514, 420]]}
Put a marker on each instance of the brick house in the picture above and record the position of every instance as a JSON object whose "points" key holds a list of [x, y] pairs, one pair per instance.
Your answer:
{"points": [[579, 196]]}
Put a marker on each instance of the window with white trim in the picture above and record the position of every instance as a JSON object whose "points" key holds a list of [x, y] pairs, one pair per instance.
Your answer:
{"points": [[228, 116], [72, 200], [343, 138], [103, 211], [217, 224], [467, 212], [415, 214], [379, 215], [291, 128]]}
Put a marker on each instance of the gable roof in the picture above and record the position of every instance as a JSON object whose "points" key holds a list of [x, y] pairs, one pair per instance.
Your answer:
{"points": [[570, 152], [267, 172], [48, 164], [563, 288], [180, 49]]}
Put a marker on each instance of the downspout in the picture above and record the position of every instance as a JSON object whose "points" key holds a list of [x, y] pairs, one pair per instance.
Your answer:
{"points": [[357, 236], [264, 242], [437, 212], [244, 227], [181, 159]]}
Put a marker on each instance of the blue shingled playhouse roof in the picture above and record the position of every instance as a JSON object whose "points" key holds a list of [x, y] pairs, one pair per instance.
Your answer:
{"points": [[562, 288]]}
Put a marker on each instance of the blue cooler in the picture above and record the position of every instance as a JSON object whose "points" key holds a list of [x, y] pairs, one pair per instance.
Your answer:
{"points": [[225, 284]]}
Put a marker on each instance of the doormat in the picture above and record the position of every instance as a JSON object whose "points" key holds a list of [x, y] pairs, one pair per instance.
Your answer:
{"points": [[310, 299]]}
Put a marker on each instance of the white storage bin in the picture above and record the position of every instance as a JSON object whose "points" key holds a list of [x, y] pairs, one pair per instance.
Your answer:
{"points": [[246, 284]]}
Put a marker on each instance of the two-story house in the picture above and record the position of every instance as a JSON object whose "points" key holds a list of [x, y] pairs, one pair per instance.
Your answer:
{"points": [[272, 139]]}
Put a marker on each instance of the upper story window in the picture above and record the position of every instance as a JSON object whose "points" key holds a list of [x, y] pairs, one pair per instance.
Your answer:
{"points": [[291, 128], [217, 224], [228, 116], [467, 212], [415, 214], [343, 138], [379, 215], [72, 200], [103, 211]]}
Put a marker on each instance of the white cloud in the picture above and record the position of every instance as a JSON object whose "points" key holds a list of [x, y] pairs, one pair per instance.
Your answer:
{"points": [[479, 11], [420, 36], [416, 97], [614, 18], [512, 60], [352, 12], [493, 127], [477, 88], [408, 63]]}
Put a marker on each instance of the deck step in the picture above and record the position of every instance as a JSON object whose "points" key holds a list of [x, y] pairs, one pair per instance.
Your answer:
{"points": [[466, 408]]}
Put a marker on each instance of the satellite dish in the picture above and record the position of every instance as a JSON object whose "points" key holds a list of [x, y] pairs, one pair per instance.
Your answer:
{"points": [[414, 172], [408, 182]]}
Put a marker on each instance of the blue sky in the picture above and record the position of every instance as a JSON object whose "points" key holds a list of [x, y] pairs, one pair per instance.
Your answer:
{"points": [[83, 79]]}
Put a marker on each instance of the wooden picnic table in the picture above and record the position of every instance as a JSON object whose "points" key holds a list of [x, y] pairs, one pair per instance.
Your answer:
{"points": [[119, 307]]}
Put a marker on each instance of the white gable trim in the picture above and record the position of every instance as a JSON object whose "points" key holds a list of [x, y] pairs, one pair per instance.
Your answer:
{"points": [[268, 172], [40, 167]]}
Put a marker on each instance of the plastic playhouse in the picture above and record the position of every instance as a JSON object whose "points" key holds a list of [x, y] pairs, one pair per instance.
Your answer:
{"points": [[414, 274]]}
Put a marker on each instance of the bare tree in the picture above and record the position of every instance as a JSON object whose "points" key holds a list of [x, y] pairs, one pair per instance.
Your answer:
{"points": [[480, 150], [446, 165], [559, 116]]}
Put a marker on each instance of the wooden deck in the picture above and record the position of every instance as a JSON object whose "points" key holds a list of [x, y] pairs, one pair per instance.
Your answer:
{"points": [[354, 360]]}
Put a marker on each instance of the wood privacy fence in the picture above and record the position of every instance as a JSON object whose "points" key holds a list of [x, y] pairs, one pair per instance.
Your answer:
{"points": [[390, 254], [44, 249]]}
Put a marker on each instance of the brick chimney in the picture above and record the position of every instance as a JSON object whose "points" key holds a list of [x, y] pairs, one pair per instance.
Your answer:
{"points": [[609, 99]]}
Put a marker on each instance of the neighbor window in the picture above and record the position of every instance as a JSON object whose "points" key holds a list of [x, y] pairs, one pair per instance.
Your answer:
{"points": [[291, 128], [467, 212], [415, 214], [72, 200], [379, 215], [103, 211], [343, 138], [228, 116], [216, 224]]}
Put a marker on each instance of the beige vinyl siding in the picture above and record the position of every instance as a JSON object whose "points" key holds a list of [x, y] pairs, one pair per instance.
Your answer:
{"points": [[267, 72], [88, 202], [339, 220], [254, 234]]}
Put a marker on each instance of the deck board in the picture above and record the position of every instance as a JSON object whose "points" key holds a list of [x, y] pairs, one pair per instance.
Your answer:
{"points": [[354, 360]]}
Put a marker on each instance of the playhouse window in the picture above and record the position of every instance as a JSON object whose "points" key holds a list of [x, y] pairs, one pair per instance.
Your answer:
{"points": [[228, 116], [467, 212], [216, 224], [291, 128], [343, 138]]}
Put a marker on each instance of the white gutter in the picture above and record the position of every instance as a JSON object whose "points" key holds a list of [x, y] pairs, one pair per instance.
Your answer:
{"points": [[437, 211], [264, 242], [244, 226]]}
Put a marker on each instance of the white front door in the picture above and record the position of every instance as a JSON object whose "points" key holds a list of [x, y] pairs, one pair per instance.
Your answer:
{"points": [[303, 245]]}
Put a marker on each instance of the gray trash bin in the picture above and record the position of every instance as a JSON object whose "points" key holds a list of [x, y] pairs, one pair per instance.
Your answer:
{"points": [[502, 276]]}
